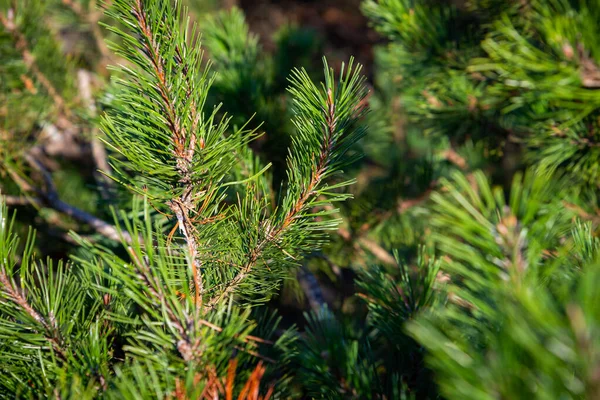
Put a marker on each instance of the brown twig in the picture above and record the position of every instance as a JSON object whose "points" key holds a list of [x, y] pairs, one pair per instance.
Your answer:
{"points": [[50, 198], [377, 250], [581, 213], [452, 156], [13, 201], [360, 240], [406, 204]]}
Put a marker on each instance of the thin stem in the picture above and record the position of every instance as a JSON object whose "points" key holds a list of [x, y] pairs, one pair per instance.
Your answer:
{"points": [[51, 332], [50, 198], [306, 194], [183, 151]]}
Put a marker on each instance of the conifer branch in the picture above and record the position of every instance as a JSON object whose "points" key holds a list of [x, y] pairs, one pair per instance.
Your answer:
{"points": [[309, 191], [154, 287], [21, 45], [298, 207], [186, 347], [50, 328], [184, 146]]}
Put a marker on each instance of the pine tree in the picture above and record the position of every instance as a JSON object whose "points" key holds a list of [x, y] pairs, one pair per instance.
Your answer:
{"points": [[173, 310], [499, 302], [471, 241]]}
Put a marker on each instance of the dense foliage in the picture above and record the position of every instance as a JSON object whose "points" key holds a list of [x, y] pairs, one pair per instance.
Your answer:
{"points": [[188, 206]]}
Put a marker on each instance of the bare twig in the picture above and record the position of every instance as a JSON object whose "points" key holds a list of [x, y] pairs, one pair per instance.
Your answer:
{"points": [[455, 158], [362, 241], [590, 73], [13, 201], [50, 198], [406, 204], [379, 252], [581, 213]]}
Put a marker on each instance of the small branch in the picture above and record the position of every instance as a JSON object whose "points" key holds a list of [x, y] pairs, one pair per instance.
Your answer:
{"points": [[52, 198], [49, 197], [155, 289], [452, 156], [305, 195], [581, 213], [181, 209], [30, 63], [590, 73], [379, 252], [184, 149], [372, 246], [405, 205], [312, 289], [19, 299], [185, 346], [13, 201]]}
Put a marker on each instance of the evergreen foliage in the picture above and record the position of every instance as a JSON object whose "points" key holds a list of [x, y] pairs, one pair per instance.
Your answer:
{"points": [[168, 313], [467, 220]]}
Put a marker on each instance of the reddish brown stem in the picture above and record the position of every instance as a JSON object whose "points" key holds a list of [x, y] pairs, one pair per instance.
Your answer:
{"points": [[183, 151], [305, 195], [18, 298]]}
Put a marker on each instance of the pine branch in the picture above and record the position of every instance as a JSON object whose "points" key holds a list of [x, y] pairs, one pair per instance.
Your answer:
{"points": [[330, 146], [50, 328], [184, 141], [31, 64], [273, 235], [185, 346]]}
